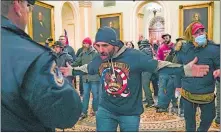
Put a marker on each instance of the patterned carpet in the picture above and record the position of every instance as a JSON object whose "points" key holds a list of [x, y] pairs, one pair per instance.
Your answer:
{"points": [[150, 121]]}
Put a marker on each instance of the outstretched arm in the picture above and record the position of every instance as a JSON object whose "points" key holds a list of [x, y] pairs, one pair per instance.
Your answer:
{"points": [[188, 70], [91, 68]]}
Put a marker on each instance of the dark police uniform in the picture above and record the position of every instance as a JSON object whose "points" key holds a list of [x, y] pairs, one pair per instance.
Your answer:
{"points": [[199, 92], [34, 94]]}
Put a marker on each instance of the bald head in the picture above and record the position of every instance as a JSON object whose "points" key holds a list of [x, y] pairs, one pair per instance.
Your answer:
{"points": [[16, 11]]}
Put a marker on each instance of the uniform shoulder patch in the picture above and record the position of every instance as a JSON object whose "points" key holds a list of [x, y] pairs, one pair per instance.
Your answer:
{"points": [[57, 76]]}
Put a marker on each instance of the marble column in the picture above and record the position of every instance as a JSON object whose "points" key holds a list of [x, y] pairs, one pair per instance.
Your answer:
{"points": [[85, 8], [140, 23]]}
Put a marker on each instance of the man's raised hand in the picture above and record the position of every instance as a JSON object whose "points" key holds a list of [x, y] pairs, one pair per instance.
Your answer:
{"points": [[194, 70]]}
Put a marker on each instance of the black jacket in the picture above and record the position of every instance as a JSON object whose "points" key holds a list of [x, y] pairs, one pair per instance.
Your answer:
{"points": [[34, 94]]}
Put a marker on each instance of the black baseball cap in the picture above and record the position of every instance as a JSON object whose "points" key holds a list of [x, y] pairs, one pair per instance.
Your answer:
{"points": [[166, 35], [179, 38], [58, 43]]}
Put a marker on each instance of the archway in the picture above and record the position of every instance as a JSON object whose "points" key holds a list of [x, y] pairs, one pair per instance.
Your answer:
{"points": [[156, 28], [134, 19], [70, 23]]}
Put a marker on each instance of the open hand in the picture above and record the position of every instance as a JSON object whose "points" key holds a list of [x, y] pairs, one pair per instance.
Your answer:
{"points": [[194, 70], [216, 73]]}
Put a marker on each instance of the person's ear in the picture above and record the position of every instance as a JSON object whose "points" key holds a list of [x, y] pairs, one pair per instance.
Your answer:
{"points": [[17, 8]]}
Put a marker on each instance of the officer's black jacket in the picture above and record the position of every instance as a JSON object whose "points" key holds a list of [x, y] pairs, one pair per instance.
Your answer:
{"points": [[34, 94]]}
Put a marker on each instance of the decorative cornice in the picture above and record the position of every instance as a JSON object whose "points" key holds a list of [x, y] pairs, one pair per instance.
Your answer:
{"points": [[85, 3]]}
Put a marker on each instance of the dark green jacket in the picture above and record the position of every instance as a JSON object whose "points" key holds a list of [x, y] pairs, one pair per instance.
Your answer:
{"points": [[209, 55], [86, 57], [79, 51]]}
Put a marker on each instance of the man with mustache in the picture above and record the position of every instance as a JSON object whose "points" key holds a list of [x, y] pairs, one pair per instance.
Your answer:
{"points": [[120, 69], [199, 92], [90, 82]]}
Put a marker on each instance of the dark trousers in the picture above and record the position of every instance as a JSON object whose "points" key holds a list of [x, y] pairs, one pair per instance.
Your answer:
{"points": [[208, 113], [154, 80], [166, 91], [146, 76], [81, 89]]}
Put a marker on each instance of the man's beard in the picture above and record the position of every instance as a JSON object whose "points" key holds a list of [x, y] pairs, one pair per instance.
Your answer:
{"points": [[168, 42], [84, 47], [107, 56]]}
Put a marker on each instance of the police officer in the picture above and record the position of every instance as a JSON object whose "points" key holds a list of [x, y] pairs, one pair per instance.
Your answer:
{"points": [[198, 92], [34, 94]]}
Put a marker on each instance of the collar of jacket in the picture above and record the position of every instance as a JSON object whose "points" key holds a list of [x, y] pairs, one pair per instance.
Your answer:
{"points": [[190, 45], [119, 52], [90, 50], [8, 25]]}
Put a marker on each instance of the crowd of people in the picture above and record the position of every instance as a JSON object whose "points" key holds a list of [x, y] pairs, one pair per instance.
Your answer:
{"points": [[39, 91]]}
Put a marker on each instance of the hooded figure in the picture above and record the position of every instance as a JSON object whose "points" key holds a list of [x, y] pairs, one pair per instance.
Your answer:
{"points": [[120, 69]]}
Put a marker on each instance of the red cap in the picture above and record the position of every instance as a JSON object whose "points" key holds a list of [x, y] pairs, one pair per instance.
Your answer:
{"points": [[196, 27], [87, 40]]}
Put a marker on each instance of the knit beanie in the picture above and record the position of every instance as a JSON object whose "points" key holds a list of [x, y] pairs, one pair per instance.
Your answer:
{"points": [[107, 35], [87, 40]]}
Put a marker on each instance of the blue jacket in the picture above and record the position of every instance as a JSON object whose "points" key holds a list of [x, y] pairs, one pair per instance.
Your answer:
{"points": [[209, 55], [147, 50], [34, 94]]}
